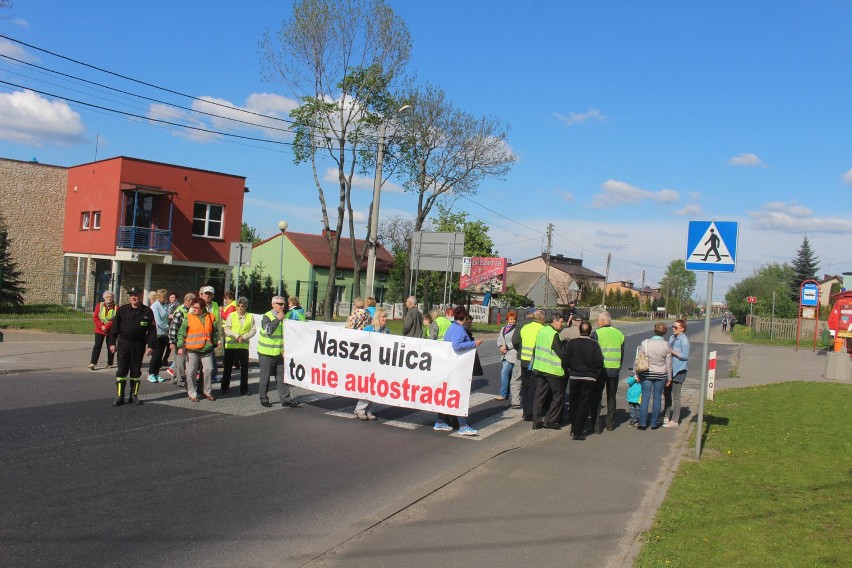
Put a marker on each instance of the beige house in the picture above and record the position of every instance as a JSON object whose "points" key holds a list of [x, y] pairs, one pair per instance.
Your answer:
{"points": [[825, 288], [567, 275], [32, 202]]}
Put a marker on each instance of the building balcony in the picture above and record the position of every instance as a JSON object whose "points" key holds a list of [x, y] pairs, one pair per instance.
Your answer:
{"points": [[144, 239]]}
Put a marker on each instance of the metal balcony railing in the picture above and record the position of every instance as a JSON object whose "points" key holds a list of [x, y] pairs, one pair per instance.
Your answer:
{"points": [[140, 238]]}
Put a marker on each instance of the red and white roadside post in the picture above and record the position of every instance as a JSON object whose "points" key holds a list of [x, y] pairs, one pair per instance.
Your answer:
{"points": [[711, 375]]}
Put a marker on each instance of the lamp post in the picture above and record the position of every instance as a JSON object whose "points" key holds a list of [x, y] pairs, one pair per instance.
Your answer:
{"points": [[282, 226], [374, 210]]}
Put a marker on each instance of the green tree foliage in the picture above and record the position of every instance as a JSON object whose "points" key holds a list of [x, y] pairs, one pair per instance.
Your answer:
{"points": [[338, 57], [677, 286], [477, 242], [11, 283], [805, 266], [513, 299], [248, 234], [767, 279], [444, 149]]}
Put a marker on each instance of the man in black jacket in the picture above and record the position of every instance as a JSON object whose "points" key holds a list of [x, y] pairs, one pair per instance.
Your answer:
{"points": [[585, 362], [133, 328]]}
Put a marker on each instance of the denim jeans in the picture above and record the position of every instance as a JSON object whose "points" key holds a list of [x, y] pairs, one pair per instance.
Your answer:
{"points": [[651, 387], [634, 412], [505, 375]]}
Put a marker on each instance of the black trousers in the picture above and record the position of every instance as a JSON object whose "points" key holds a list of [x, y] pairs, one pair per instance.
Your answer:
{"points": [[549, 393], [96, 350], [156, 362], [581, 395], [129, 356], [528, 387], [242, 357], [609, 382]]}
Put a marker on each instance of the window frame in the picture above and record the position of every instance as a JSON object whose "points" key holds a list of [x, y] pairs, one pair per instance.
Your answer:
{"points": [[85, 220], [96, 220], [207, 220]]}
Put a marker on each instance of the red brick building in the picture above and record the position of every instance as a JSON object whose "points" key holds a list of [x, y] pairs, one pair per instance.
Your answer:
{"points": [[132, 222]]}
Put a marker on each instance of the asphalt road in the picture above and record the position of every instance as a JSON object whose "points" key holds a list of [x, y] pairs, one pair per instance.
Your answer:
{"points": [[222, 483]]}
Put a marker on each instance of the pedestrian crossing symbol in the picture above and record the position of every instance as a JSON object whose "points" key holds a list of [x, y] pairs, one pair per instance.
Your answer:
{"points": [[711, 246]]}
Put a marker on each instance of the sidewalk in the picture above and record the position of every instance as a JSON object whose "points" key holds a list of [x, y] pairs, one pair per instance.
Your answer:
{"points": [[544, 499], [26, 351]]}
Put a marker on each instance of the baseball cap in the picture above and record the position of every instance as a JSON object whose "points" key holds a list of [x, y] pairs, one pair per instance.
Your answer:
{"points": [[208, 289], [133, 291]]}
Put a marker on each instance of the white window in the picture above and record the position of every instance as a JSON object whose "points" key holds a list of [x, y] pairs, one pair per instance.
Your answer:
{"points": [[96, 219], [207, 220], [85, 222]]}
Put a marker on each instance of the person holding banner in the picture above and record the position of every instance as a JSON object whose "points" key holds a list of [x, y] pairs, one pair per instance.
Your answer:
{"points": [[457, 335], [378, 325], [270, 354]]}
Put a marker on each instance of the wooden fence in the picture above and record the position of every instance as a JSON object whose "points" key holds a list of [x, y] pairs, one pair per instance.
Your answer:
{"points": [[785, 328]]}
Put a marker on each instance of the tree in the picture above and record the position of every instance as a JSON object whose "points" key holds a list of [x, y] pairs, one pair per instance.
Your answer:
{"points": [[767, 279], [12, 287], [511, 298], [394, 234], [339, 58], [248, 234], [805, 267], [447, 151], [477, 242], [677, 284]]}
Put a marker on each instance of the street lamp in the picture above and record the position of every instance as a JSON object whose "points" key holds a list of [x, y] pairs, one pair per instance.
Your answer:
{"points": [[282, 226], [374, 210]]}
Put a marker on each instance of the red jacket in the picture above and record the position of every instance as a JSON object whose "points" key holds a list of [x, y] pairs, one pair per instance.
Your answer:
{"points": [[101, 326]]}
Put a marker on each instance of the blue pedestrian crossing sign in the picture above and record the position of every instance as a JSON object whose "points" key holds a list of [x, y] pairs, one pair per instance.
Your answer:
{"points": [[711, 246]]}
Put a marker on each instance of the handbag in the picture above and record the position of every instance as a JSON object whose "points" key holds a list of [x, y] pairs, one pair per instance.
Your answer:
{"points": [[641, 364]]}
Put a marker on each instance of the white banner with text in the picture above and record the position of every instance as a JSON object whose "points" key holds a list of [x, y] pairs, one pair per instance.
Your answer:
{"points": [[387, 369]]}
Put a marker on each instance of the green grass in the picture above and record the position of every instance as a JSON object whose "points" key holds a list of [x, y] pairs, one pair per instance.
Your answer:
{"points": [[744, 334], [49, 318], [773, 487]]}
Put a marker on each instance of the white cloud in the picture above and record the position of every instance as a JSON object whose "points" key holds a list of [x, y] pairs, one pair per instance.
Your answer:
{"points": [[21, 22], [847, 178], [746, 160], [565, 196], [581, 117], [28, 118], [614, 192], [794, 218], [691, 209], [15, 50], [361, 182]]}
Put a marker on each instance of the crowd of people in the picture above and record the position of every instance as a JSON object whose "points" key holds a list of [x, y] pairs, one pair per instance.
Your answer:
{"points": [[542, 363]]}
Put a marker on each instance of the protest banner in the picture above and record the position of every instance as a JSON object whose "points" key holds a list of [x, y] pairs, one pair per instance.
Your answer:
{"points": [[387, 369]]}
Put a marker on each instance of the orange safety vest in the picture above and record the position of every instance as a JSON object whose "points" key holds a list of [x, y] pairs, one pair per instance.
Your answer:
{"points": [[198, 331]]}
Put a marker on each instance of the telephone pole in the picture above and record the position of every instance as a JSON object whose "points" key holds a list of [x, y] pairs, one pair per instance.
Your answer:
{"points": [[606, 278], [547, 267]]}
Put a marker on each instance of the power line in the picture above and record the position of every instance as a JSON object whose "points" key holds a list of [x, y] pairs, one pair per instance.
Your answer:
{"points": [[130, 114], [74, 77], [152, 85]]}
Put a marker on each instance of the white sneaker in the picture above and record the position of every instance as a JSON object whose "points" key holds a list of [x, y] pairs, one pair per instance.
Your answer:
{"points": [[670, 424], [665, 421]]}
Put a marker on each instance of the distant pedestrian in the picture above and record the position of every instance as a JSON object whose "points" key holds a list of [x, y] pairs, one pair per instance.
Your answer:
{"points": [[634, 398], [103, 316], [378, 325], [427, 326], [732, 323], [443, 321], [550, 375], [133, 335], [198, 338], [585, 362], [724, 324], [434, 329], [359, 318], [508, 390], [655, 378], [296, 312], [679, 344], [412, 322], [161, 316], [239, 327], [461, 343]]}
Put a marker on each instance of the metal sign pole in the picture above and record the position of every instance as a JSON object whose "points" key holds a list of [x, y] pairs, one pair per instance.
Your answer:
{"points": [[702, 389]]}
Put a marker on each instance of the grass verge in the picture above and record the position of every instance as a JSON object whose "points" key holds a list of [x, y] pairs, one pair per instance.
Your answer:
{"points": [[48, 318], [772, 489]]}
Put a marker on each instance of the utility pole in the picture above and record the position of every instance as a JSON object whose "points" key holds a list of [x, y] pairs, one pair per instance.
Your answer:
{"points": [[606, 278], [547, 267]]}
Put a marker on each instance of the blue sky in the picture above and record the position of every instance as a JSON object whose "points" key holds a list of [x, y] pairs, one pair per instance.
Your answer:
{"points": [[628, 119]]}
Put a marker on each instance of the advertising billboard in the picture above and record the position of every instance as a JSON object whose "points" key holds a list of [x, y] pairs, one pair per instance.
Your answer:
{"points": [[483, 274]]}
